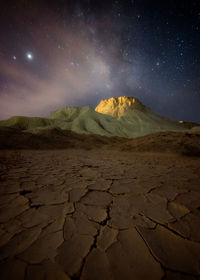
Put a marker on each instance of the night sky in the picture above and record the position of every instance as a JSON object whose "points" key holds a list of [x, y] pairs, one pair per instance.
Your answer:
{"points": [[74, 53]]}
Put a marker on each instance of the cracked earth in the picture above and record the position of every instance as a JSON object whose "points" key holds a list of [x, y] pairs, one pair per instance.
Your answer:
{"points": [[75, 214]]}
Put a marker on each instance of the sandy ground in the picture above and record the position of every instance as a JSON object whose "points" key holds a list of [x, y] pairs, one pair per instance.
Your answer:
{"points": [[77, 214]]}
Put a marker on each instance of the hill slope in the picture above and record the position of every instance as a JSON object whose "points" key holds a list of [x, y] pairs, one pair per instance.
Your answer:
{"points": [[86, 120]]}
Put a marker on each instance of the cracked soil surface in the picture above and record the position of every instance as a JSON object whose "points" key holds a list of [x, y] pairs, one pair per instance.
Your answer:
{"points": [[77, 214]]}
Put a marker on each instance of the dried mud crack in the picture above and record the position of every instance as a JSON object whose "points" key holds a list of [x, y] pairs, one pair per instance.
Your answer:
{"points": [[77, 214]]}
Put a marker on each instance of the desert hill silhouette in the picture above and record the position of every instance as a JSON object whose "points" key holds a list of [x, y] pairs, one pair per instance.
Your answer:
{"points": [[123, 117]]}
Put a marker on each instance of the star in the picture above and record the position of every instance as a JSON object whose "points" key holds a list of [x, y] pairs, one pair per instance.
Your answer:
{"points": [[29, 56]]}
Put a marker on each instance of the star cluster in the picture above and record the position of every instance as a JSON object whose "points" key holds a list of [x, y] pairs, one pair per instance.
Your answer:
{"points": [[60, 53]]}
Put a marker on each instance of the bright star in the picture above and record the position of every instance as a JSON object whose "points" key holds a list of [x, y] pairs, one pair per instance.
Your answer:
{"points": [[29, 56]]}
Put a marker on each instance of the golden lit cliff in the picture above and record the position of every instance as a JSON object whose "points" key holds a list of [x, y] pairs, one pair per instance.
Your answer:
{"points": [[117, 107]]}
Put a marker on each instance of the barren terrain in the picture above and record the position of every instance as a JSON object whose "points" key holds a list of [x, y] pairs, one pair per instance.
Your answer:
{"points": [[99, 214]]}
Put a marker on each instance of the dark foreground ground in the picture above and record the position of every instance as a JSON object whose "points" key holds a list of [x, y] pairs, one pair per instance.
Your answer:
{"points": [[99, 214]]}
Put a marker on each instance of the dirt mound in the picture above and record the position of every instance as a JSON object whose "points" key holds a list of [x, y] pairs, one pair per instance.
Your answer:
{"points": [[11, 138], [185, 143], [172, 142]]}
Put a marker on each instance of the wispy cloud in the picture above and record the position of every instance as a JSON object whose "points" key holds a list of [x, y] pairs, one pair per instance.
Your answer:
{"points": [[65, 70]]}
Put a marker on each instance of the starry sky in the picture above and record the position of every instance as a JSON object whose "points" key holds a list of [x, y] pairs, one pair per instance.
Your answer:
{"points": [[74, 53]]}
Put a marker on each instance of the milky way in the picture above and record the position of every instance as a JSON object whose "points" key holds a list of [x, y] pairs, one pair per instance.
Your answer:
{"points": [[60, 53]]}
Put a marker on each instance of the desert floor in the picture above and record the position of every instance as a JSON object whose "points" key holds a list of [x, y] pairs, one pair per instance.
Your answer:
{"points": [[99, 214]]}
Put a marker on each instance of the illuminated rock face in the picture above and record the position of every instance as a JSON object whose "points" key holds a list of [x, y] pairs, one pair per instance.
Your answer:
{"points": [[118, 107]]}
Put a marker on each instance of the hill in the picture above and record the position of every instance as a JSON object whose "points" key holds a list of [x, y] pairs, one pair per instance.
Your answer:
{"points": [[123, 116]]}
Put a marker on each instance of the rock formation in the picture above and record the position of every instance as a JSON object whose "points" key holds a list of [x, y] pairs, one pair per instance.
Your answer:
{"points": [[118, 107]]}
